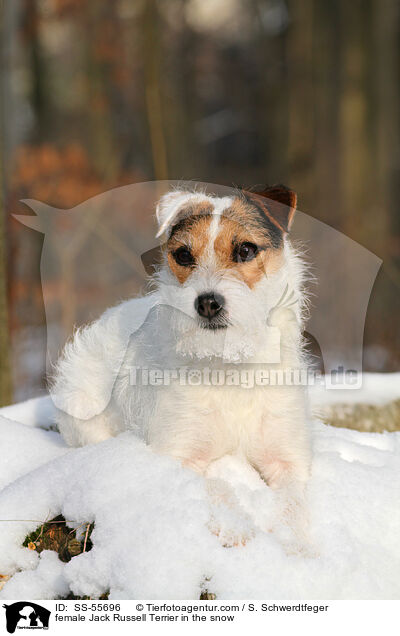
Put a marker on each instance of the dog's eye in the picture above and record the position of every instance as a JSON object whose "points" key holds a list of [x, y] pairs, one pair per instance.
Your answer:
{"points": [[183, 256], [245, 252]]}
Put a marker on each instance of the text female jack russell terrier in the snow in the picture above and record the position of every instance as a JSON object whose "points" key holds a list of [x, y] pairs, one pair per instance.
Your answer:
{"points": [[229, 275]]}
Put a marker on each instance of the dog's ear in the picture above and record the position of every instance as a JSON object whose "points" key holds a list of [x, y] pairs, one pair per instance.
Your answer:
{"points": [[280, 205], [168, 207]]}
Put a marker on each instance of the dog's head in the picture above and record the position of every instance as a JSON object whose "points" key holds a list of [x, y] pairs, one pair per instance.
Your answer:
{"points": [[226, 264]]}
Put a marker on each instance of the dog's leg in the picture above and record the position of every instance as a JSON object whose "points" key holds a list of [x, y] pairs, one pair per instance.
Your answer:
{"points": [[281, 453], [82, 389], [82, 432], [292, 516], [197, 447]]}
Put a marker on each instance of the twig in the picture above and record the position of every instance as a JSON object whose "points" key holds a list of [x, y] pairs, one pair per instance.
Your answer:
{"points": [[86, 537], [40, 521]]}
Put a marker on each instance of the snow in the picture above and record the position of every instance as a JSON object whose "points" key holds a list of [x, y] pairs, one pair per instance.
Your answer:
{"points": [[47, 580], [24, 448], [377, 388], [155, 522], [34, 412]]}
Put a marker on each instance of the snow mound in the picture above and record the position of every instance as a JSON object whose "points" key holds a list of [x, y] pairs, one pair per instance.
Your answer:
{"points": [[376, 388], [24, 448], [154, 519]]}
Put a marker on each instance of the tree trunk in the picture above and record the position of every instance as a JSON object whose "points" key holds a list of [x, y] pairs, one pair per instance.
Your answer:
{"points": [[301, 118], [5, 376]]}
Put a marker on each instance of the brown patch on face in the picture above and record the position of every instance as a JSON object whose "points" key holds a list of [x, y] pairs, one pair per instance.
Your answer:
{"points": [[241, 223], [231, 235], [190, 230], [247, 211]]}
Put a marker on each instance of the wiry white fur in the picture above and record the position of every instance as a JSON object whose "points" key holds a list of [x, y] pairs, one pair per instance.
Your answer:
{"points": [[195, 424]]}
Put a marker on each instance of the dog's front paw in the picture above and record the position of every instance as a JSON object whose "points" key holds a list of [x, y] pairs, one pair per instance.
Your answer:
{"points": [[228, 521], [231, 537]]}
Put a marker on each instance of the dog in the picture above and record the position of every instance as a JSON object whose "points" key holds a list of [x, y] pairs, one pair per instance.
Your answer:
{"points": [[229, 284]]}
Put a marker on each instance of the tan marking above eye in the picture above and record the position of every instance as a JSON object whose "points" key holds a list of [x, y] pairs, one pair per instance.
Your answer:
{"points": [[267, 261], [196, 238]]}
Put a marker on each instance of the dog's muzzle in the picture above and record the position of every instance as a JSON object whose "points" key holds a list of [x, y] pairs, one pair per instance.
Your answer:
{"points": [[210, 307]]}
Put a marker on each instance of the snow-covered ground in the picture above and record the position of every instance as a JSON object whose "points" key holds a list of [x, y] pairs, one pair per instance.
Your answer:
{"points": [[152, 536]]}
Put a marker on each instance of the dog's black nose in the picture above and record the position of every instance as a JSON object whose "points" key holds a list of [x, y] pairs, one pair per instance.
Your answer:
{"points": [[209, 305]]}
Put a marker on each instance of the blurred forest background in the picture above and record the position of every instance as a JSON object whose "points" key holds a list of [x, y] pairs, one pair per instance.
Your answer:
{"points": [[98, 93]]}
